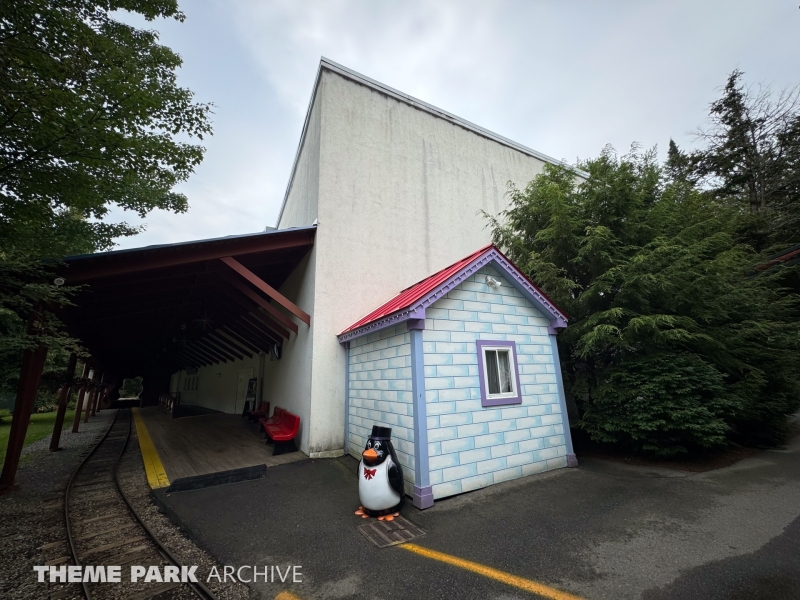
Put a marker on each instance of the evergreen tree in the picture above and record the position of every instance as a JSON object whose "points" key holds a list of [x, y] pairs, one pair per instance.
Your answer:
{"points": [[673, 344], [751, 158]]}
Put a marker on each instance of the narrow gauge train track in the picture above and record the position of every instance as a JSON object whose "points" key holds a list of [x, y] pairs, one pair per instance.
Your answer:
{"points": [[103, 528]]}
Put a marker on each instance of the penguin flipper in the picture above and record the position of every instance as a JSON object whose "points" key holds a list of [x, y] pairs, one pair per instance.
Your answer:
{"points": [[396, 480]]}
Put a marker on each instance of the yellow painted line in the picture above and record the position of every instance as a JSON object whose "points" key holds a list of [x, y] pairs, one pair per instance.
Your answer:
{"points": [[156, 475], [501, 576], [287, 596]]}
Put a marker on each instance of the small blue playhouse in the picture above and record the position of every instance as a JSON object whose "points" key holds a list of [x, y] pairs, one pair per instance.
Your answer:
{"points": [[463, 366]]}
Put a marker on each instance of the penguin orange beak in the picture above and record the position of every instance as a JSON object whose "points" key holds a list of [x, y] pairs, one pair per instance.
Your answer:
{"points": [[369, 454]]}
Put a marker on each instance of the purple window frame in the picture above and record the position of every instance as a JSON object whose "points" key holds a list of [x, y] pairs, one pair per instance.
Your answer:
{"points": [[485, 400]]}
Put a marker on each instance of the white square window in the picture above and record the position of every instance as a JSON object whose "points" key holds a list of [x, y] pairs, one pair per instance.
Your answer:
{"points": [[497, 364]]}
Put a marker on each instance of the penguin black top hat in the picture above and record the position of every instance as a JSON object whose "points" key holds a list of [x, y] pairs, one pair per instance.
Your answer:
{"points": [[381, 433]]}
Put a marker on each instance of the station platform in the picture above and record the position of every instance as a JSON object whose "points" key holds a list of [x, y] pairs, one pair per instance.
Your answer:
{"points": [[174, 449]]}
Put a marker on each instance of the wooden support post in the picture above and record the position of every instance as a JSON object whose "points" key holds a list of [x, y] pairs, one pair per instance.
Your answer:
{"points": [[29, 378], [87, 413], [101, 404], [62, 403], [81, 395], [97, 394]]}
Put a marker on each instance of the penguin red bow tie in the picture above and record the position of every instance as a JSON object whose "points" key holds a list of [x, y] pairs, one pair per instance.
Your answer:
{"points": [[369, 473]]}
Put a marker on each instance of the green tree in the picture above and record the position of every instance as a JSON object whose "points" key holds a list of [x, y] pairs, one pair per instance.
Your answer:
{"points": [[751, 158], [673, 345], [91, 117]]}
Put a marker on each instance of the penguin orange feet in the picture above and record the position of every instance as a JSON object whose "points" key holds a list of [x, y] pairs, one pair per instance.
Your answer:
{"points": [[397, 514], [388, 518], [382, 517], [359, 512], [365, 516]]}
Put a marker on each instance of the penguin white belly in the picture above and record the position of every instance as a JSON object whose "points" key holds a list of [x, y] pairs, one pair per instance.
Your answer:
{"points": [[374, 489]]}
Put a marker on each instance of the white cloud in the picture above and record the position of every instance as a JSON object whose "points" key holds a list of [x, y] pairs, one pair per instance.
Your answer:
{"points": [[563, 78]]}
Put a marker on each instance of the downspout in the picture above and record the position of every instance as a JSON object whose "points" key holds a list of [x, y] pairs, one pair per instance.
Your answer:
{"points": [[423, 493], [572, 460]]}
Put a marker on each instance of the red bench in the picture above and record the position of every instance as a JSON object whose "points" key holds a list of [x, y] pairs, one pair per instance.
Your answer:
{"points": [[275, 418], [282, 428], [260, 412]]}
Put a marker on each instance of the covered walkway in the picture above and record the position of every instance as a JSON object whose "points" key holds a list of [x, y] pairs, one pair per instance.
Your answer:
{"points": [[158, 310], [205, 444]]}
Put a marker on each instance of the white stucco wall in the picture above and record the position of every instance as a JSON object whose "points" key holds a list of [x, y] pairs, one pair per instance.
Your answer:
{"points": [[399, 193], [216, 386], [300, 208], [287, 382]]}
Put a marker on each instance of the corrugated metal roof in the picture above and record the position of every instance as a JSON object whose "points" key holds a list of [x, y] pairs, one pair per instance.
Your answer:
{"points": [[422, 289]]}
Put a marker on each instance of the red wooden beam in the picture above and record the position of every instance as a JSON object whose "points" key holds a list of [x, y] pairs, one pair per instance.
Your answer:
{"points": [[261, 322], [189, 362], [261, 338], [89, 403], [266, 288], [218, 358], [242, 340], [259, 301], [62, 402], [198, 356], [220, 347], [99, 376], [81, 396], [30, 376], [213, 350], [220, 335], [225, 346], [278, 330], [200, 353]]}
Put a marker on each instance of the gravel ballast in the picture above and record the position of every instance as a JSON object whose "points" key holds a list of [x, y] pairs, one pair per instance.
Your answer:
{"points": [[32, 530]]}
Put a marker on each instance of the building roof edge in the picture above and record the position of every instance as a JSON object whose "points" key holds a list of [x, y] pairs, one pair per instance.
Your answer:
{"points": [[326, 63]]}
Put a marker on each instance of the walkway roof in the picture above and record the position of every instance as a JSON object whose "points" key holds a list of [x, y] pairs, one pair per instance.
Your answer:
{"points": [[161, 308]]}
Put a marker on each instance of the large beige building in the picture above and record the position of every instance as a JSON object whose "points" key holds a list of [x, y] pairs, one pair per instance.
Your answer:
{"points": [[396, 188]]}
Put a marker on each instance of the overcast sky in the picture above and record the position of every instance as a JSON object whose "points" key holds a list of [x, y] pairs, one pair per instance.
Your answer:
{"points": [[564, 78]]}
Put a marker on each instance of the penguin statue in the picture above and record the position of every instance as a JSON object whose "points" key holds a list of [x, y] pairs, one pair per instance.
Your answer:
{"points": [[380, 477]]}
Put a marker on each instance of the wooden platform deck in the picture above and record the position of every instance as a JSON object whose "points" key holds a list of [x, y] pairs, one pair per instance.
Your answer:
{"points": [[208, 443]]}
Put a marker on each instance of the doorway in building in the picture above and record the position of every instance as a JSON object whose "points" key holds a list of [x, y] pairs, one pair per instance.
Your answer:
{"points": [[241, 390]]}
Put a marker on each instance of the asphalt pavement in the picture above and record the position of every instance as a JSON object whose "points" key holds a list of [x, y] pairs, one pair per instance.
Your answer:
{"points": [[605, 530]]}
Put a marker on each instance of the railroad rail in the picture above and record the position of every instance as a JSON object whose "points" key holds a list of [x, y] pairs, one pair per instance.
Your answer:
{"points": [[103, 527]]}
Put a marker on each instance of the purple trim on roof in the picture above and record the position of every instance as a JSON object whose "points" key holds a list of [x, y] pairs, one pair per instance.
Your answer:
{"points": [[403, 316], [485, 400], [491, 256]]}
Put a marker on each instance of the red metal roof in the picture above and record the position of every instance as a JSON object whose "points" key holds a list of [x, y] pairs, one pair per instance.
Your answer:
{"points": [[419, 290], [411, 294]]}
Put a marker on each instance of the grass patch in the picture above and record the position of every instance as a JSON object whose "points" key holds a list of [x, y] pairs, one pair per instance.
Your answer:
{"points": [[41, 426]]}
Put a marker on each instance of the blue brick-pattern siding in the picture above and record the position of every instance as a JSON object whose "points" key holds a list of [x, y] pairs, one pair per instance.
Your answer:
{"points": [[469, 446], [380, 393]]}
